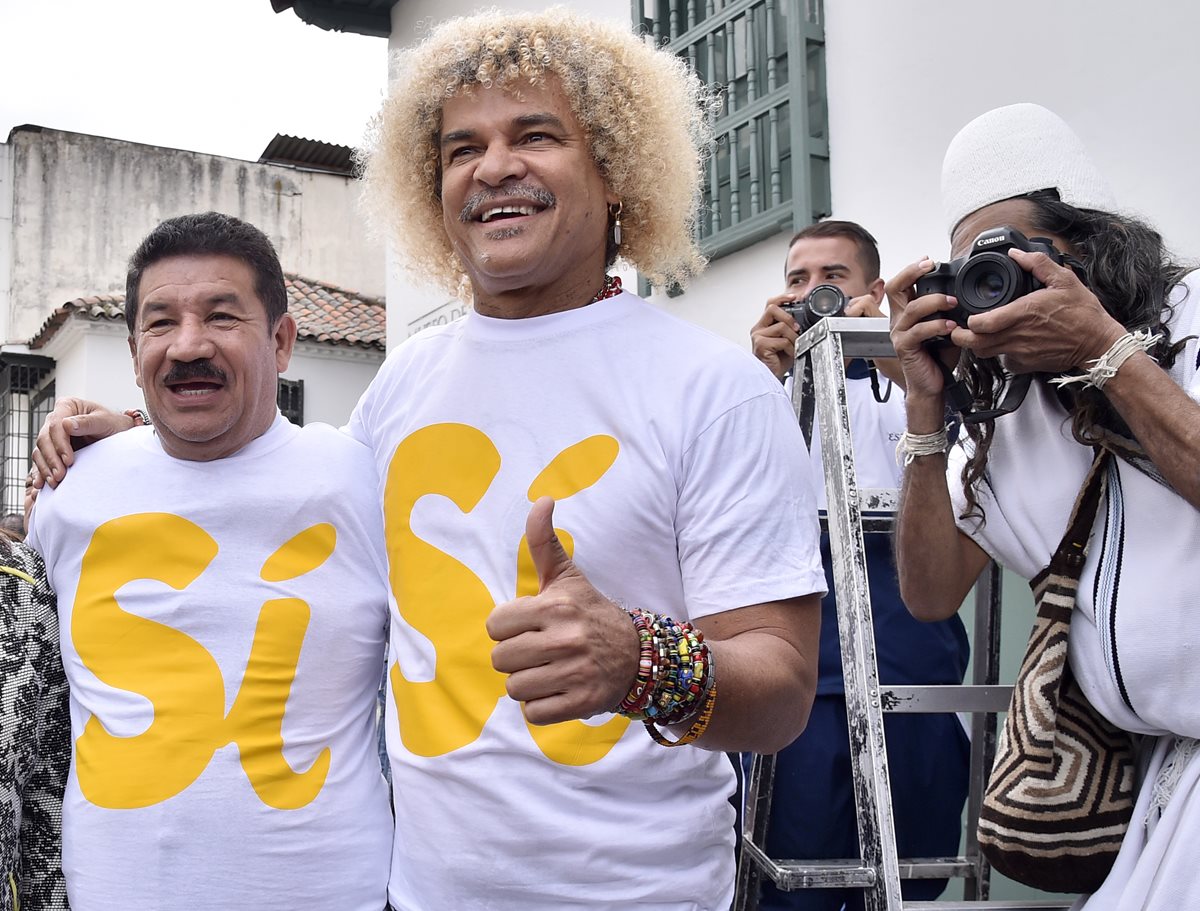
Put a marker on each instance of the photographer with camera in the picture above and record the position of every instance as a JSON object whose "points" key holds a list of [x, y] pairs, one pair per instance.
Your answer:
{"points": [[832, 269], [823, 259], [1108, 332]]}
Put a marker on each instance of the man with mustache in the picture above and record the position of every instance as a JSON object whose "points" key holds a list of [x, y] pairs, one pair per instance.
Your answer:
{"points": [[601, 529], [223, 613], [585, 499]]}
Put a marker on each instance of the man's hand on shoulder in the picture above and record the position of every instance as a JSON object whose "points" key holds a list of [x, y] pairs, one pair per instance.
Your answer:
{"points": [[569, 652], [73, 424]]}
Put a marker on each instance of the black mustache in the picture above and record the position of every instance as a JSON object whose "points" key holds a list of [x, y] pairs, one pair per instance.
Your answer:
{"points": [[538, 195], [189, 371]]}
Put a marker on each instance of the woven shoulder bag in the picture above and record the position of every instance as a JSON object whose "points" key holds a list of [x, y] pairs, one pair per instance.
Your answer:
{"points": [[1061, 791]]}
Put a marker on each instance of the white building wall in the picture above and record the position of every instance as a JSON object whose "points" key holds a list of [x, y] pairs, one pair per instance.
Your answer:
{"points": [[729, 296], [81, 204], [902, 78], [92, 361], [334, 379], [6, 220]]}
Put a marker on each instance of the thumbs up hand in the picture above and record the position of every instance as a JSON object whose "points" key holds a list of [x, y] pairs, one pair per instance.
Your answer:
{"points": [[549, 557], [569, 651]]}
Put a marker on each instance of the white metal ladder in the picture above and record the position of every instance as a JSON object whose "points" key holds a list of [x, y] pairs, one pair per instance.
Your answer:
{"points": [[851, 512]]}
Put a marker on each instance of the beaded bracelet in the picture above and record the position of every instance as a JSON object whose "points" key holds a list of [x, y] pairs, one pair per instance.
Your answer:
{"points": [[682, 678], [675, 671], [694, 732], [642, 692]]}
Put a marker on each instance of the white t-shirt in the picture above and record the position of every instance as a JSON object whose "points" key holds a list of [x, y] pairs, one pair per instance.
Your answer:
{"points": [[683, 486], [1134, 631], [223, 633], [875, 429]]}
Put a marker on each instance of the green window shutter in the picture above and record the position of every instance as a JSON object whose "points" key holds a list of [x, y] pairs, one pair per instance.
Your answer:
{"points": [[770, 169]]}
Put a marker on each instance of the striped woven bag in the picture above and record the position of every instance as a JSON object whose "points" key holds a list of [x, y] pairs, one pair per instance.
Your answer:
{"points": [[1060, 795]]}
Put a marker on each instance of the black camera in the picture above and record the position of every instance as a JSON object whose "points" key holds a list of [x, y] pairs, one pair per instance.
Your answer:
{"points": [[822, 301], [986, 277]]}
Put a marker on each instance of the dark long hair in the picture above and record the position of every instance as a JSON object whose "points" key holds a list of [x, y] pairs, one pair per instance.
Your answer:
{"points": [[1131, 272]]}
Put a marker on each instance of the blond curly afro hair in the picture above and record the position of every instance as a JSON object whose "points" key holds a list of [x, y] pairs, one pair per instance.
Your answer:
{"points": [[647, 118]]}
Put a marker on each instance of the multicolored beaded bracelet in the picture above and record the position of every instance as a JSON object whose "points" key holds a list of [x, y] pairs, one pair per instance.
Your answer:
{"points": [[697, 728], [675, 671], [680, 689], [642, 692]]}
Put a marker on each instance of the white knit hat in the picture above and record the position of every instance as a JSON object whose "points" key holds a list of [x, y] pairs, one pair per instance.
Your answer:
{"points": [[1015, 150]]}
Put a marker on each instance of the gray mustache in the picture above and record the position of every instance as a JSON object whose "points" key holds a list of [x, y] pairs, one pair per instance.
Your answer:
{"points": [[476, 202]]}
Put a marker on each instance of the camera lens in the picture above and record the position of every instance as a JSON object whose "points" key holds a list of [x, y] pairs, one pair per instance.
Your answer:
{"points": [[826, 300], [989, 280], [989, 286]]}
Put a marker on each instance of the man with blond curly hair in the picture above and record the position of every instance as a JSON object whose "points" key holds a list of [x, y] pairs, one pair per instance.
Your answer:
{"points": [[515, 158]]}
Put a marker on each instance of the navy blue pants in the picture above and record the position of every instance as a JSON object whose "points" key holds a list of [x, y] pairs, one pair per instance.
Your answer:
{"points": [[812, 808]]}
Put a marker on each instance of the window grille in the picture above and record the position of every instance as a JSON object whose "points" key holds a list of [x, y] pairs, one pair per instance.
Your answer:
{"points": [[770, 169], [26, 397], [291, 400]]}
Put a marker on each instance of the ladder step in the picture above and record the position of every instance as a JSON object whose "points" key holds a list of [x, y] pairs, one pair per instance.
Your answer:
{"points": [[876, 524], [814, 874], [849, 873], [821, 874], [946, 698], [1046, 904], [935, 867], [862, 336], [877, 509], [878, 499]]}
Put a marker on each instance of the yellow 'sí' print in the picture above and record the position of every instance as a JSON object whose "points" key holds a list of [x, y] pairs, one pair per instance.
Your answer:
{"points": [[177, 674], [446, 602], [257, 714], [448, 712], [574, 469]]}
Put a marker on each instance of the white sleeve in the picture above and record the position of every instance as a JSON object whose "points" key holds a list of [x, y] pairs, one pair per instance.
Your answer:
{"points": [[746, 521]]}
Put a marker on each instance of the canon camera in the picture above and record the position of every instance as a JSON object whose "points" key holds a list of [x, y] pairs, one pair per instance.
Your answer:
{"points": [[986, 277], [821, 301]]}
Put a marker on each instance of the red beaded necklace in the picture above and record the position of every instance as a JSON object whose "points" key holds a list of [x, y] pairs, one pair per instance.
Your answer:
{"points": [[612, 287]]}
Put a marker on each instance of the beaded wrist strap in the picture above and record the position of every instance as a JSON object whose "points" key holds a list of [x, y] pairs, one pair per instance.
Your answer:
{"points": [[675, 681], [914, 445], [1105, 367], [698, 728]]}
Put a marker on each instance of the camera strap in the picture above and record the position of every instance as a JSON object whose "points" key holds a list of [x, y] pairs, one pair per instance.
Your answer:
{"points": [[958, 397], [873, 371]]}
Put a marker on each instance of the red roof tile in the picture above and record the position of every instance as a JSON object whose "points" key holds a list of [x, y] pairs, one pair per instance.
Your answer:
{"points": [[327, 313]]}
